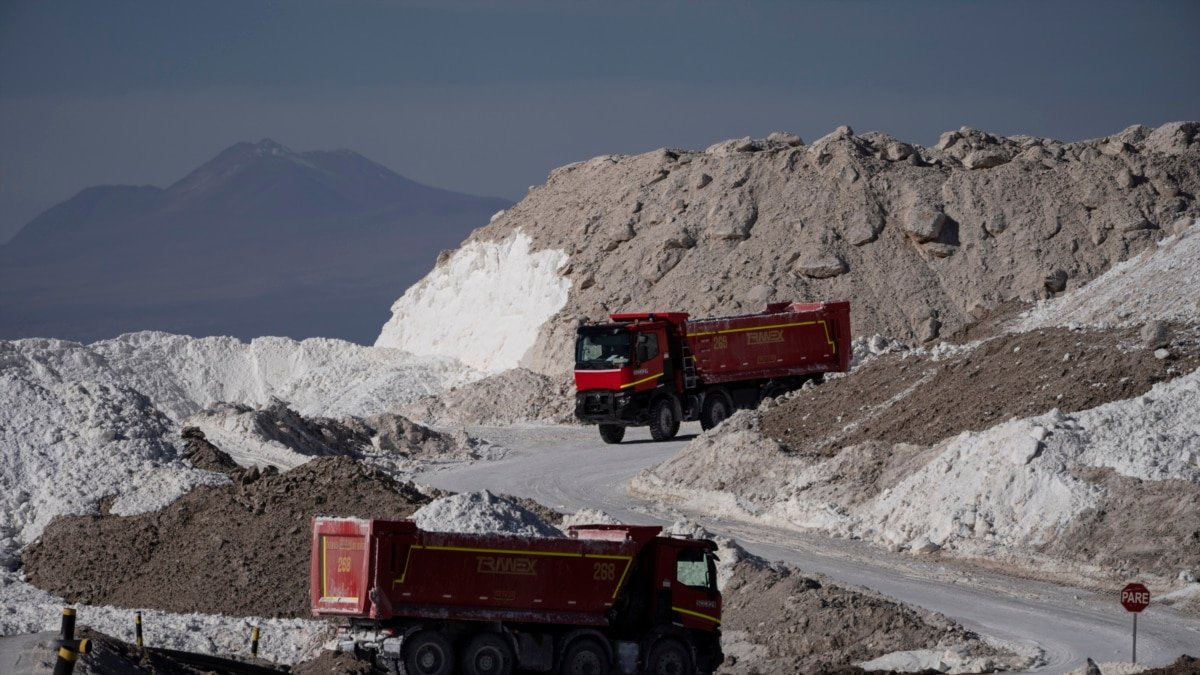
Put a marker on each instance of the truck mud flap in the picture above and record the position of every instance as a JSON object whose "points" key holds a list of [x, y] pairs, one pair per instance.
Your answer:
{"points": [[535, 651]]}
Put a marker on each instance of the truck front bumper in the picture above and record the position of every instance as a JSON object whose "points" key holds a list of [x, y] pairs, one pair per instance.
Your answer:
{"points": [[600, 406]]}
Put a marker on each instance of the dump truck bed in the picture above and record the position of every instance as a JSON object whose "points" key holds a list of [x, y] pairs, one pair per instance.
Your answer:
{"points": [[382, 569], [787, 340]]}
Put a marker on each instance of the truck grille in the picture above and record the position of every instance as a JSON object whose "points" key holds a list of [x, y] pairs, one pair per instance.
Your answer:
{"points": [[596, 402]]}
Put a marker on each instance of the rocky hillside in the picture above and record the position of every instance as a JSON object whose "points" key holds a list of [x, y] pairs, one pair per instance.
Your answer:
{"points": [[921, 239]]}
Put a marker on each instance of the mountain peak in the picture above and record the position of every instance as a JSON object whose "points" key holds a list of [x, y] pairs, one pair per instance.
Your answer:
{"points": [[231, 162], [268, 146], [245, 152]]}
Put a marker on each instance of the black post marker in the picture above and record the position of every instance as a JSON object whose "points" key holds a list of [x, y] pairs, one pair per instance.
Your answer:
{"points": [[67, 631], [68, 654]]}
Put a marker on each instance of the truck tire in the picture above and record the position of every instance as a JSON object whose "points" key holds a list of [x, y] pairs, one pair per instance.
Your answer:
{"points": [[664, 423], [585, 656], [717, 409], [612, 433], [670, 657], [487, 654], [773, 390], [428, 652]]}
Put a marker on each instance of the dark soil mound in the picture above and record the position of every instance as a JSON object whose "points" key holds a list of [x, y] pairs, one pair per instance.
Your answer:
{"points": [[920, 401], [810, 627], [511, 397], [336, 663], [205, 455], [1165, 514], [317, 436], [240, 549], [1184, 665]]}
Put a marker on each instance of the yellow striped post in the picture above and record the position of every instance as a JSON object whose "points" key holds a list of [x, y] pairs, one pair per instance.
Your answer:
{"points": [[254, 642], [68, 654], [137, 622], [67, 630]]}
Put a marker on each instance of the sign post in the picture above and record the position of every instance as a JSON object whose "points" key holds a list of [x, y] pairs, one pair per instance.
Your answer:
{"points": [[1134, 598]]}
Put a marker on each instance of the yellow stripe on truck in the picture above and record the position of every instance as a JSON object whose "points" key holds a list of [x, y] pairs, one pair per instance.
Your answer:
{"points": [[407, 559], [625, 573], [644, 379], [696, 614], [325, 597]]}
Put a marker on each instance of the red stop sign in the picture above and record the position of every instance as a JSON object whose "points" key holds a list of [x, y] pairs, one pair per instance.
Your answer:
{"points": [[1135, 597]]}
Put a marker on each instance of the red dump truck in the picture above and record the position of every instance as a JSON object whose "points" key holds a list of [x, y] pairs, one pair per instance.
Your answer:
{"points": [[661, 368], [606, 598]]}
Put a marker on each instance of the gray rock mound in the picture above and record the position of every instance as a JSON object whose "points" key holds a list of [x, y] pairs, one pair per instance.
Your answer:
{"points": [[205, 455], [511, 397], [917, 238], [482, 513], [397, 434], [279, 425]]}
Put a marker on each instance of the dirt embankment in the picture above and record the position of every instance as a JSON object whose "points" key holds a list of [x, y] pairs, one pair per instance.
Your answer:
{"points": [[279, 436], [1184, 665], [240, 549], [1135, 527], [778, 620], [512, 397], [920, 401]]}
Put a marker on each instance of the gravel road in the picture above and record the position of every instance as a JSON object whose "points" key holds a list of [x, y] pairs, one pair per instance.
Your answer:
{"points": [[568, 468], [31, 654]]}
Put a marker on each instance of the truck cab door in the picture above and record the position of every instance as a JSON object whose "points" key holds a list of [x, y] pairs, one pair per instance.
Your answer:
{"points": [[687, 588], [650, 349], [694, 594]]}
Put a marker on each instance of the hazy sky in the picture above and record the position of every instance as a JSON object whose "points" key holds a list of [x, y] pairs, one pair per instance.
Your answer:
{"points": [[486, 97]]}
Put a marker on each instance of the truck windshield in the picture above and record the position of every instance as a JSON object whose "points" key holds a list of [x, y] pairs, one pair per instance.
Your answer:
{"points": [[599, 348]]}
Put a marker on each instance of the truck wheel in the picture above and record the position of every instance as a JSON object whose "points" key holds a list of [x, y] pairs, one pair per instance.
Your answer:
{"points": [[584, 657], [773, 390], [663, 422], [428, 652], [670, 657], [716, 410], [487, 654], [612, 433]]}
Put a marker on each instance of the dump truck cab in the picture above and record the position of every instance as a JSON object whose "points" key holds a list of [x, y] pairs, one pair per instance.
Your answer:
{"points": [[689, 567], [677, 575], [623, 368]]}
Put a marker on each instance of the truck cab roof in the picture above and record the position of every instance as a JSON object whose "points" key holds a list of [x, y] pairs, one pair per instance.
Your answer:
{"points": [[673, 318]]}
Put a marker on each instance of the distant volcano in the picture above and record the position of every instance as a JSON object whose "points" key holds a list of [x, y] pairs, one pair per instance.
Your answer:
{"points": [[261, 240]]}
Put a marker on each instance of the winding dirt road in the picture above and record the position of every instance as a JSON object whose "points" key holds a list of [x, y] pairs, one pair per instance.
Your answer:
{"points": [[570, 468]]}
